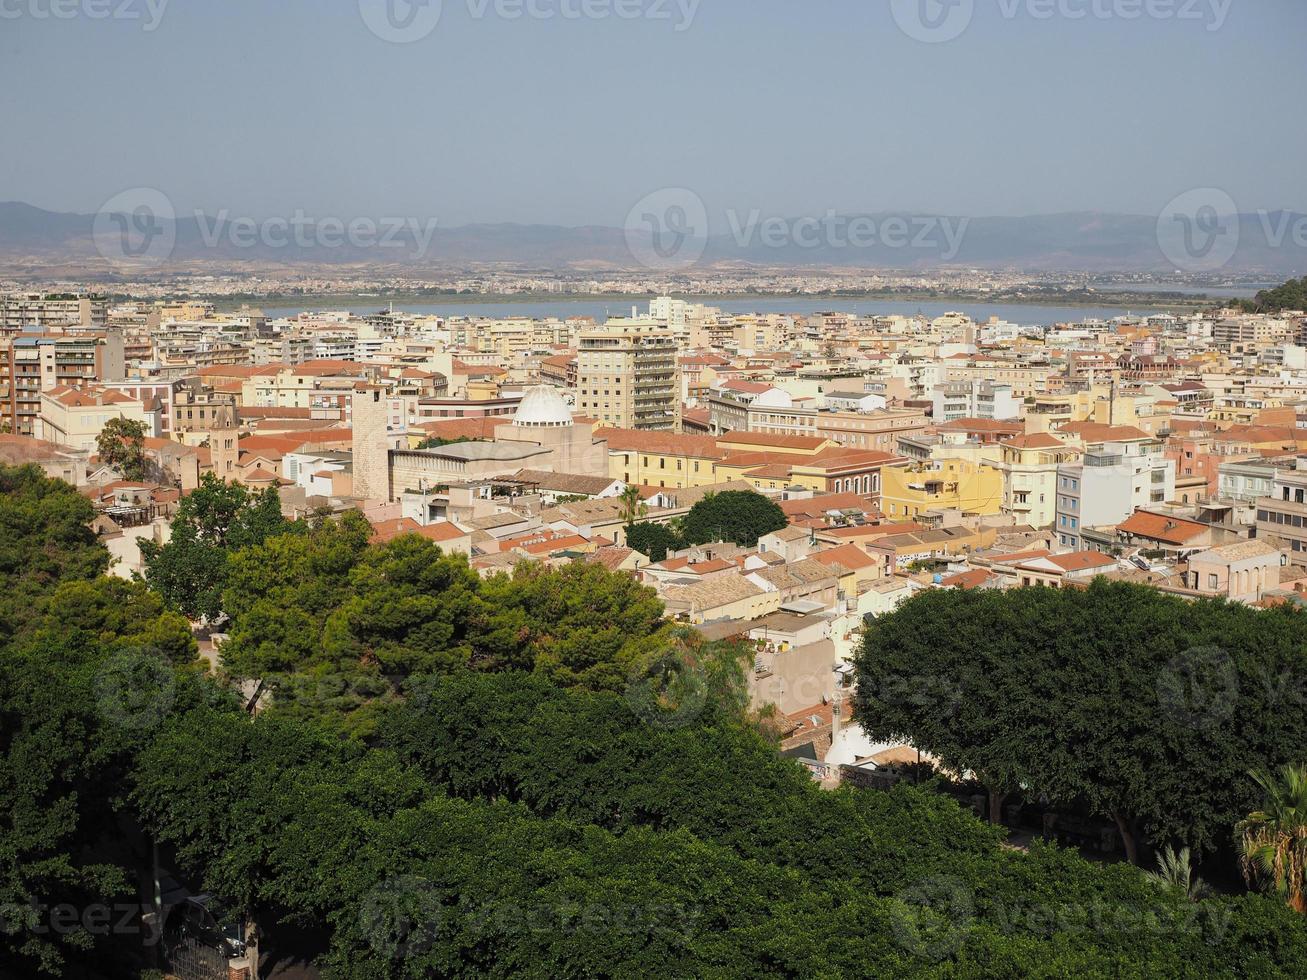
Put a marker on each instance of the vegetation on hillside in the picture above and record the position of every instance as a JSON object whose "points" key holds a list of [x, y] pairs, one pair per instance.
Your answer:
{"points": [[1291, 295], [549, 781]]}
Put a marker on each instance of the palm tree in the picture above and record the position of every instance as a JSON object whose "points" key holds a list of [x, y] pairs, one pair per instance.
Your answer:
{"points": [[633, 508], [1273, 841], [1175, 873]]}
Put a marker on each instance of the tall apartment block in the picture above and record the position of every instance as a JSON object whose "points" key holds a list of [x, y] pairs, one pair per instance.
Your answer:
{"points": [[1283, 514], [51, 312], [32, 363], [628, 377], [1111, 481]]}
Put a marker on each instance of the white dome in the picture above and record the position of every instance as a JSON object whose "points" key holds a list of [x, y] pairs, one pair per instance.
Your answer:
{"points": [[543, 406]]}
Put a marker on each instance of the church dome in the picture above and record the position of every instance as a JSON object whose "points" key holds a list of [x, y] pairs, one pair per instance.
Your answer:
{"points": [[543, 406]]}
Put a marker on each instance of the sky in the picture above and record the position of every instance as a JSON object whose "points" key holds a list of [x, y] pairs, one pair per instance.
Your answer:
{"points": [[510, 111]]}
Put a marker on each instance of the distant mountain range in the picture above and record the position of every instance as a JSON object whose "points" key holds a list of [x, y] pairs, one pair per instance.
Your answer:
{"points": [[1274, 243]]}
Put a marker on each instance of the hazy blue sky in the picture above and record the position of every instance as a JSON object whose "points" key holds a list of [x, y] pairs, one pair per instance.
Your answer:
{"points": [[789, 106]]}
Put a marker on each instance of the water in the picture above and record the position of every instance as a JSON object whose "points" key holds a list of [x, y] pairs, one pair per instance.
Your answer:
{"points": [[1024, 314]]}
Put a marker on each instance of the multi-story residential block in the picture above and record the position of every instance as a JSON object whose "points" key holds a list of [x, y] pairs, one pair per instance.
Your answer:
{"points": [[928, 489], [1251, 330], [1126, 471], [33, 363], [974, 400], [74, 416], [199, 410], [628, 377], [156, 394], [1282, 515], [51, 312], [1029, 466], [1246, 481]]}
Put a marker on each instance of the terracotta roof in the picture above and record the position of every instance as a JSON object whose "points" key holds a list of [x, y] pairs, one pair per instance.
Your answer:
{"points": [[849, 556], [1019, 557], [87, 397], [16, 450], [971, 579], [980, 425], [1079, 561], [610, 558], [660, 443], [1158, 527], [818, 506], [1093, 432], [776, 441], [470, 428], [1036, 440], [386, 531]]}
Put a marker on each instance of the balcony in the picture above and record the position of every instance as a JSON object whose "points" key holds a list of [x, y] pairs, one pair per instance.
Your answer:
{"points": [[1104, 459]]}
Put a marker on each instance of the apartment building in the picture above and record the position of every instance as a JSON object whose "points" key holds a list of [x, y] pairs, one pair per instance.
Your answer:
{"points": [[751, 407], [1114, 478], [73, 417], [628, 377], [931, 488], [974, 399], [51, 312], [33, 363], [1283, 514], [1029, 466], [156, 394], [1252, 330]]}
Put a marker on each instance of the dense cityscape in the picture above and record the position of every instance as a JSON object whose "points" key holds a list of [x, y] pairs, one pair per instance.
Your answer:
{"points": [[652, 488]]}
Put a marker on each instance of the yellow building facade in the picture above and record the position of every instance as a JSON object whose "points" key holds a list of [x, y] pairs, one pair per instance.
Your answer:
{"points": [[950, 484]]}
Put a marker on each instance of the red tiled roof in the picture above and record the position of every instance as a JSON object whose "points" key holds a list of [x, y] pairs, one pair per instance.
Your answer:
{"points": [[849, 555], [971, 579], [1171, 530]]}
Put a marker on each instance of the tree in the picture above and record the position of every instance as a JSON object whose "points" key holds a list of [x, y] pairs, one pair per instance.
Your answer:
{"points": [[1292, 295], [1116, 699], [88, 667], [504, 827], [212, 521], [121, 444], [740, 516], [633, 508], [438, 443], [1273, 840], [653, 540], [45, 539], [1175, 873]]}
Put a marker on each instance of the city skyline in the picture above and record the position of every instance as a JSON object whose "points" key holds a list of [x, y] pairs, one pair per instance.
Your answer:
{"points": [[499, 114]]}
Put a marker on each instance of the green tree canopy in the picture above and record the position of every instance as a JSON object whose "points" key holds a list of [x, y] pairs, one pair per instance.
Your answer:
{"points": [[45, 539], [653, 540], [740, 516], [121, 444], [1139, 706], [212, 521], [1291, 295]]}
